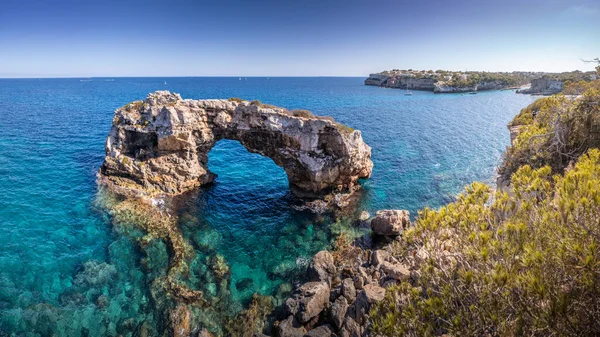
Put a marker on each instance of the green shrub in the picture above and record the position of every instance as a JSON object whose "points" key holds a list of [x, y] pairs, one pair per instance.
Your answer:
{"points": [[302, 113], [524, 263], [555, 131], [134, 106], [344, 128], [235, 99]]}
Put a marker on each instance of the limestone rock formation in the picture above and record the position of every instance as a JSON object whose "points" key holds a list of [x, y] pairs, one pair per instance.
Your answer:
{"points": [[390, 222], [543, 86], [160, 146]]}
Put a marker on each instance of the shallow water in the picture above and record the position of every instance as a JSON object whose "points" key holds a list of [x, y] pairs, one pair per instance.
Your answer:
{"points": [[426, 147]]}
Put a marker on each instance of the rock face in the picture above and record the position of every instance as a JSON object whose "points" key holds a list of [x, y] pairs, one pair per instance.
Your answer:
{"points": [[360, 277], [543, 86], [390, 222], [160, 146]]}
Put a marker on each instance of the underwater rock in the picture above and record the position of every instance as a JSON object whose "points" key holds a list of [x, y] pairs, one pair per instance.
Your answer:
{"points": [[160, 146], [179, 321], [219, 266], [102, 301], [390, 222], [95, 273], [244, 284]]}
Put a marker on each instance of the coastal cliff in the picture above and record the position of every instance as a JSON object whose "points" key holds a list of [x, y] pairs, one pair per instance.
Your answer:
{"points": [[160, 146], [543, 86], [447, 81]]}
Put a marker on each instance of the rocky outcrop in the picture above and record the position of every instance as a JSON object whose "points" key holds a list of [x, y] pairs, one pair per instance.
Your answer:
{"points": [[401, 82], [438, 83], [160, 146], [343, 287], [390, 222], [543, 86]]}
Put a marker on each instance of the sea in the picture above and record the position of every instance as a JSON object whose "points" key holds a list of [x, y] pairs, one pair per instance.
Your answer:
{"points": [[66, 269]]}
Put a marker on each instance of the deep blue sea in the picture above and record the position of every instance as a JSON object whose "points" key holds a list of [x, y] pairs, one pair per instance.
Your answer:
{"points": [[65, 271]]}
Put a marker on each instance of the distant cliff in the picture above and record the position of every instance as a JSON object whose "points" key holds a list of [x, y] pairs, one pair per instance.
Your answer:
{"points": [[442, 81], [543, 86]]}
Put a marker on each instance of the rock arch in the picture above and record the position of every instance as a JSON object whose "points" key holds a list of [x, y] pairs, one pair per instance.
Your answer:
{"points": [[160, 146]]}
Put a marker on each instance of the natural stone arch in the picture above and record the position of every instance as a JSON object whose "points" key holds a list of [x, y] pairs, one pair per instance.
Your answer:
{"points": [[160, 146]]}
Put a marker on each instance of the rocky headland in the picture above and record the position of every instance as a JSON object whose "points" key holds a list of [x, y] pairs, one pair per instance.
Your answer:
{"points": [[442, 81], [543, 86], [160, 146]]}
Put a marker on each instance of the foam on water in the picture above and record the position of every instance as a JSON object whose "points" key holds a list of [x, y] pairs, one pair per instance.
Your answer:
{"points": [[426, 147]]}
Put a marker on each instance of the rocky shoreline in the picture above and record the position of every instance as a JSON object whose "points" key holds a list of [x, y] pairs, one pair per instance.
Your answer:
{"points": [[447, 82], [344, 284]]}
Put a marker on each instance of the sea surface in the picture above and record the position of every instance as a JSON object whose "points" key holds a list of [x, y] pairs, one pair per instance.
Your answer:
{"points": [[66, 271]]}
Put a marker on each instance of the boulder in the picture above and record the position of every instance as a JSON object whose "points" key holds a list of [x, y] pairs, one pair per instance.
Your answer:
{"points": [[351, 328], [348, 289], [390, 222], [338, 311], [312, 299], [289, 327], [396, 271], [371, 293], [378, 257], [322, 267], [321, 331]]}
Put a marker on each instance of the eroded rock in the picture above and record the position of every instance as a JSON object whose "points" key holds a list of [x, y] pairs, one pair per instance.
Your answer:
{"points": [[390, 222], [321, 267], [313, 298], [160, 146]]}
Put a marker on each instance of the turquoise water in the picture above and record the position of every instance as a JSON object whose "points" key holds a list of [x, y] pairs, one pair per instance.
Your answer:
{"points": [[65, 270]]}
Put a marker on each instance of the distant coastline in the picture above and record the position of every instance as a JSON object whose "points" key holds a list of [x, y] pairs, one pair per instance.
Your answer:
{"points": [[443, 81]]}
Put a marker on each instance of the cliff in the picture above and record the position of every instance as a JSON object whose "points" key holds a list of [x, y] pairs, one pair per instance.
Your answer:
{"points": [[543, 86], [160, 146], [446, 82]]}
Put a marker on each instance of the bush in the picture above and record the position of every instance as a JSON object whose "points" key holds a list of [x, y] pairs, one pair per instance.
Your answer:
{"points": [[302, 113], [555, 131], [235, 99], [520, 263]]}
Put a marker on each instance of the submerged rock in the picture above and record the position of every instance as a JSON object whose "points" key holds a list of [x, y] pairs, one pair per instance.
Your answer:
{"points": [[160, 145]]}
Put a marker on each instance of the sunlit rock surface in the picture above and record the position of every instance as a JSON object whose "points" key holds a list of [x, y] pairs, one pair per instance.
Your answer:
{"points": [[160, 146]]}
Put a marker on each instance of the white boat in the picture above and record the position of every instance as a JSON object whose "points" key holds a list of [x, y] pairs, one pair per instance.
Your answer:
{"points": [[408, 92], [165, 82]]}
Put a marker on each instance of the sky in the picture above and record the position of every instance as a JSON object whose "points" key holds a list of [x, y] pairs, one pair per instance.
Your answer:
{"points": [[81, 38]]}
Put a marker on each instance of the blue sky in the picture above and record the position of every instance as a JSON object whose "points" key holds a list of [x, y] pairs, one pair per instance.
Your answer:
{"points": [[70, 38]]}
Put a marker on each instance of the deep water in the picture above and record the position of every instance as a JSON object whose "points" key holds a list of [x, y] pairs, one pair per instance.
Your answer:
{"points": [[65, 270]]}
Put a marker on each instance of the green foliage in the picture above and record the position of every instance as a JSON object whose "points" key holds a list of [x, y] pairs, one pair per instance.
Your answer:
{"points": [[579, 87], [523, 263], [235, 99], [302, 113], [554, 131], [134, 106], [344, 128]]}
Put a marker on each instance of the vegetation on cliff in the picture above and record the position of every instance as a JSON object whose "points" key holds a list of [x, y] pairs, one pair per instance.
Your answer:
{"points": [[519, 261]]}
